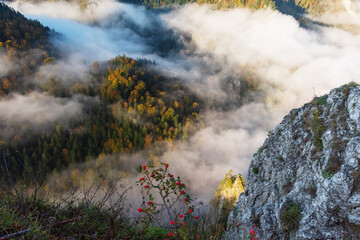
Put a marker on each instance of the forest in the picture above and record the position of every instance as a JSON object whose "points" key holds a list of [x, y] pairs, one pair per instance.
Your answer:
{"points": [[138, 107], [24, 47]]}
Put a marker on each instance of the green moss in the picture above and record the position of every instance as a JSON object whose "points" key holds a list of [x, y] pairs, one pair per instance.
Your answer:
{"points": [[320, 100], [345, 89], [255, 170], [326, 174], [261, 149], [290, 216], [352, 84], [318, 129]]}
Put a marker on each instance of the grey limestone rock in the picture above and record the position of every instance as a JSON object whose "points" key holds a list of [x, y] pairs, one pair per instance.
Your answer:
{"points": [[303, 183]]}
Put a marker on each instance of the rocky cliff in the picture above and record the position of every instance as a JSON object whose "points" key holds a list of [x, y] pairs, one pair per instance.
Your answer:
{"points": [[303, 183]]}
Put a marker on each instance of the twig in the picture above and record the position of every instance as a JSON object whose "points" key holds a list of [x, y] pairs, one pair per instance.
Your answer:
{"points": [[22, 164], [39, 183], [14, 234], [49, 226], [63, 222], [8, 173]]}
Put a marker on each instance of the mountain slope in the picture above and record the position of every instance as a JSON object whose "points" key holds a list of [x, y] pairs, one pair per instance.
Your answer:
{"points": [[18, 31], [303, 183], [220, 4], [24, 47], [138, 109]]}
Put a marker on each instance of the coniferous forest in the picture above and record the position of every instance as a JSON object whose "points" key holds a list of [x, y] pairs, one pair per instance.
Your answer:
{"points": [[137, 107]]}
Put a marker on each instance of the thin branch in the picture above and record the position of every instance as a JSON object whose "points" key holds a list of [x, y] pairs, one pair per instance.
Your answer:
{"points": [[45, 227], [166, 206], [14, 234], [22, 164], [38, 182], [8, 173]]}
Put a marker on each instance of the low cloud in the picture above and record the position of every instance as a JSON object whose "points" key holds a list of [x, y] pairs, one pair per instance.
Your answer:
{"points": [[274, 46], [67, 70], [344, 12], [5, 64], [95, 10], [37, 108], [35, 111], [227, 142]]}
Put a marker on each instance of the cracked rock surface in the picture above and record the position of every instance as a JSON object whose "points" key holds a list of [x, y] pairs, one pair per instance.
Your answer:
{"points": [[303, 183]]}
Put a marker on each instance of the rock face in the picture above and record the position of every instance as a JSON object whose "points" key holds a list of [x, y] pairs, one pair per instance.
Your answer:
{"points": [[226, 195], [303, 183]]}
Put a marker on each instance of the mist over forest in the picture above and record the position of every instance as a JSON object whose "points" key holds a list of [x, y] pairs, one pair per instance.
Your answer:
{"points": [[249, 67], [114, 85]]}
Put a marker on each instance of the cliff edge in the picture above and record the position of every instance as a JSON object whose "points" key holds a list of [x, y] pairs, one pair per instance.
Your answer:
{"points": [[303, 183]]}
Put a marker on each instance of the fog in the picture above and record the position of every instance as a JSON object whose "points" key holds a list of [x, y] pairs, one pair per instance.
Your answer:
{"points": [[37, 108], [344, 12], [5, 65], [211, 51], [273, 44], [35, 112]]}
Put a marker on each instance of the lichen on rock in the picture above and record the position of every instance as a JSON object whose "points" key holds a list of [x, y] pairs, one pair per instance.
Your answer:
{"points": [[304, 183]]}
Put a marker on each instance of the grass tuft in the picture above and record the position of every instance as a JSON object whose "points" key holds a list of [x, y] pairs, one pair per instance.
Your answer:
{"points": [[290, 216]]}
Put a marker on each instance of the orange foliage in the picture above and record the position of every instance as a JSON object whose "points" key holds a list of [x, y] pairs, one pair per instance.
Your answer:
{"points": [[176, 104], [169, 113], [140, 86], [17, 138], [141, 108], [110, 146], [6, 84], [94, 129], [65, 154], [148, 140]]}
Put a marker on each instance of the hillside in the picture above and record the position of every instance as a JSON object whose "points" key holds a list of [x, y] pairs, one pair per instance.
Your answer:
{"points": [[303, 182], [220, 4], [138, 109], [24, 47], [19, 32], [123, 105]]}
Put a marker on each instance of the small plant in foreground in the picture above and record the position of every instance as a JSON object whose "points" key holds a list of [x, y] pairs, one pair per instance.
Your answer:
{"points": [[253, 233], [162, 193]]}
